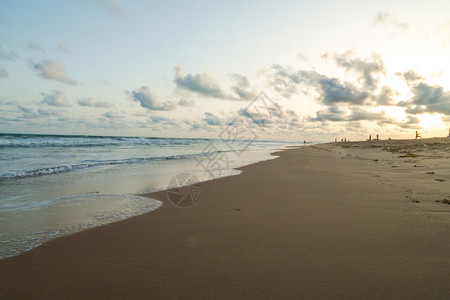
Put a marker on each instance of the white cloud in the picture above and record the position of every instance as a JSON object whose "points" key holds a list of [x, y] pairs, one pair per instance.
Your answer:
{"points": [[55, 98], [53, 69]]}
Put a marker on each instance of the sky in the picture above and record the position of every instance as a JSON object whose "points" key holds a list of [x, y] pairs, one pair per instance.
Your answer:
{"points": [[282, 70]]}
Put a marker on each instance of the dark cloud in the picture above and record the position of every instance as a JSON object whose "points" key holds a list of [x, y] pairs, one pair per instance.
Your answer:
{"points": [[335, 114], [415, 110], [267, 115], [25, 109], [53, 69], [367, 69], [44, 112], [285, 81], [89, 102], [428, 98], [331, 90], [425, 94], [412, 120], [113, 115], [410, 76], [334, 91], [384, 96], [162, 120], [211, 119], [202, 84], [55, 98], [242, 88], [148, 100]]}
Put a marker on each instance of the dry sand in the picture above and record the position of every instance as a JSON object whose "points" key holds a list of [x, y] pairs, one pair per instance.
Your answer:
{"points": [[345, 220]]}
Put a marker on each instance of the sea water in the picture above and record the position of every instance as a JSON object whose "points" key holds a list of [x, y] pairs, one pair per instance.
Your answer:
{"points": [[54, 185]]}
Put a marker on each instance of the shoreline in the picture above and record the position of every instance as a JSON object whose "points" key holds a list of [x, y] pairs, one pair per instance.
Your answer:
{"points": [[106, 195], [316, 222]]}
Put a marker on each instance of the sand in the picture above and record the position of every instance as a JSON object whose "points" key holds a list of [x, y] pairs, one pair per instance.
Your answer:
{"points": [[343, 220]]}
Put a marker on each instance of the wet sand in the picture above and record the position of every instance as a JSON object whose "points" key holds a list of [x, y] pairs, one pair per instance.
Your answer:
{"points": [[344, 220]]}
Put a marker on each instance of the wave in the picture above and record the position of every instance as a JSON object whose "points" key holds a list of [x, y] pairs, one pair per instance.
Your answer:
{"points": [[99, 163], [20, 140]]}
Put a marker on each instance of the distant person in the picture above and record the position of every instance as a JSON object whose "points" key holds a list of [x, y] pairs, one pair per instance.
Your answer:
{"points": [[449, 133], [370, 137], [418, 135], [378, 137], [304, 142]]}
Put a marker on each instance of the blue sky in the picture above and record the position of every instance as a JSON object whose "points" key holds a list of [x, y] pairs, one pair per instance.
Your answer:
{"points": [[327, 69]]}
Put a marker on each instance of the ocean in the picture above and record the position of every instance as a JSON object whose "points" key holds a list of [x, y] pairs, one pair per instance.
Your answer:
{"points": [[54, 185]]}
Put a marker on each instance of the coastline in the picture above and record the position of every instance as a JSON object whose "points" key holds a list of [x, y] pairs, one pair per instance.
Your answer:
{"points": [[36, 209], [318, 222]]}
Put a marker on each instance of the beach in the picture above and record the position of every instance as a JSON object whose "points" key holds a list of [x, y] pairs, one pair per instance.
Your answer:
{"points": [[360, 220]]}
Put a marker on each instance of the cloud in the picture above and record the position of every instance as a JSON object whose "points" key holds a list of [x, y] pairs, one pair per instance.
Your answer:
{"points": [[331, 90], [384, 96], [269, 116], [7, 55], [3, 73], [334, 91], [55, 98], [427, 98], [412, 120], [285, 81], [185, 102], [385, 18], [113, 115], [25, 109], [89, 102], [44, 112], [432, 97], [367, 69], [242, 87], [202, 84], [63, 48], [410, 76], [53, 69], [162, 120], [35, 47], [425, 94], [211, 119], [148, 100], [335, 114]]}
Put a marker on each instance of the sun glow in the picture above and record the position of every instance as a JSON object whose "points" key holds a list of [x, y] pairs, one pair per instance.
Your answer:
{"points": [[430, 122]]}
